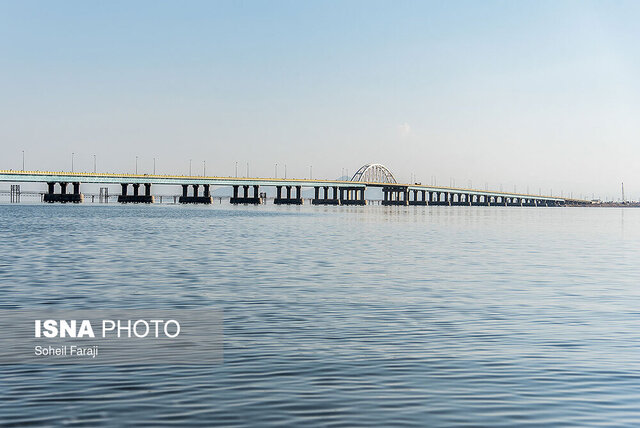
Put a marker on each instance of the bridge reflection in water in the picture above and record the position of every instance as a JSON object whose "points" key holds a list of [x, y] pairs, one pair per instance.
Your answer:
{"points": [[136, 188]]}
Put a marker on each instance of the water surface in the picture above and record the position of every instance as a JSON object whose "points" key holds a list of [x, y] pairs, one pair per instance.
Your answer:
{"points": [[338, 316]]}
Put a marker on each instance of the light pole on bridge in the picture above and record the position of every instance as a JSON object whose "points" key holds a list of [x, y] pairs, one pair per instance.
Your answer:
{"points": [[154, 166], [136, 165], [236, 169], [276, 171], [23, 160], [204, 168], [72, 156], [94, 164], [310, 172]]}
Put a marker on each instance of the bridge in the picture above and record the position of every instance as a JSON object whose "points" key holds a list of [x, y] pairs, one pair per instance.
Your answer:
{"points": [[136, 188]]}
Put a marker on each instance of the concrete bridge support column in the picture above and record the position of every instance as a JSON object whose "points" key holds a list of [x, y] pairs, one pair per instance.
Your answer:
{"points": [[415, 200], [395, 195], [136, 197], [352, 196], [245, 198], [325, 199], [289, 199], [195, 198], [63, 196]]}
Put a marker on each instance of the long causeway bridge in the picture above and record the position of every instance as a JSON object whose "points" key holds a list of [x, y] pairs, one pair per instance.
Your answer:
{"points": [[136, 188]]}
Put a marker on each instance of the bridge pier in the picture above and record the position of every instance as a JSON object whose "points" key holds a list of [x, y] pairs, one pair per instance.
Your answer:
{"points": [[288, 200], [514, 202], [479, 200], [136, 198], [325, 200], [352, 196], [456, 199], [413, 197], [395, 195], [63, 196], [245, 199], [195, 198], [438, 198]]}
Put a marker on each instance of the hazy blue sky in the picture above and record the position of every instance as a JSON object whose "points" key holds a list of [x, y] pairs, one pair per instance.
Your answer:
{"points": [[538, 94]]}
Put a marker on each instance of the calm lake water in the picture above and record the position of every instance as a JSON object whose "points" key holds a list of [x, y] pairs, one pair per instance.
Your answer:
{"points": [[363, 316]]}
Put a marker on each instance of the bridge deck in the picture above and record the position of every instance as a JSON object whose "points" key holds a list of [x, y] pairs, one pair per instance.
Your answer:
{"points": [[104, 178]]}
